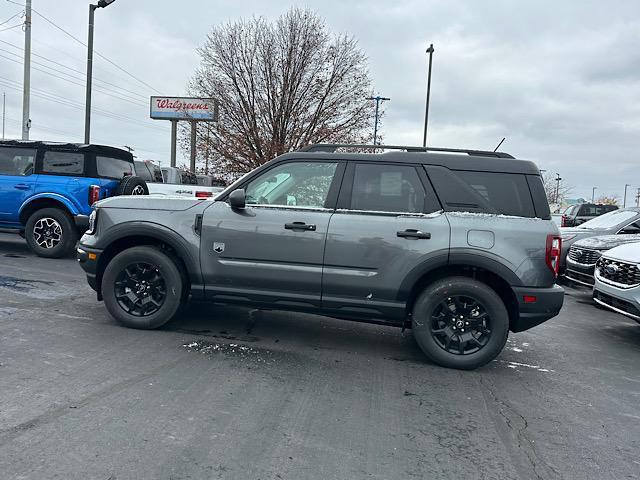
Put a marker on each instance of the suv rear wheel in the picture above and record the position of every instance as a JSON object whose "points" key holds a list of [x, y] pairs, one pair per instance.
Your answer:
{"points": [[142, 287], [50, 233], [460, 323]]}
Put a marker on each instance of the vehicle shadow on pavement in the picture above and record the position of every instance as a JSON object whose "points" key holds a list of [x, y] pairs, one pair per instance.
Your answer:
{"points": [[296, 331]]}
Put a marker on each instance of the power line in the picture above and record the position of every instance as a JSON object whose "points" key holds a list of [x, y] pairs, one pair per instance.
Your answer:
{"points": [[96, 52], [9, 28], [145, 97], [11, 18], [99, 88]]}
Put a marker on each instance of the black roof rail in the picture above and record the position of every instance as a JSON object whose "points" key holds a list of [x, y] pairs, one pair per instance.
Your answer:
{"points": [[332, 147]]}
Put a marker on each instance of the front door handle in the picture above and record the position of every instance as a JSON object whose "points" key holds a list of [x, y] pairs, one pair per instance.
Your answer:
{"points": [[299, 226], [411, 233], [22, 186]]}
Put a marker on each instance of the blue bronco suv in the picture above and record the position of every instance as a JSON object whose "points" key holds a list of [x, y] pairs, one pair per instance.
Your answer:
{"points": [[47, 189]]}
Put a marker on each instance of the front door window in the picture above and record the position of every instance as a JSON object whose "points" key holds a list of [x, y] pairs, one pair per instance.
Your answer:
{"points": [[296, 184]]}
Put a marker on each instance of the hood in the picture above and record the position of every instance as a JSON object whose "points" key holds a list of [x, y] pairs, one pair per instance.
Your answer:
{"points": [[606, 242], [150, 202], [629, 252]]}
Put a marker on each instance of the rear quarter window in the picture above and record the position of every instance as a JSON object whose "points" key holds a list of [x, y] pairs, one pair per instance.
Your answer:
{"points": [[117, 168], [487, 192], [63, 163]]}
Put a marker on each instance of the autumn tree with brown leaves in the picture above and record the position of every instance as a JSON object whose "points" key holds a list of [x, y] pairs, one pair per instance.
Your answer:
{"points": [[280, 85]]}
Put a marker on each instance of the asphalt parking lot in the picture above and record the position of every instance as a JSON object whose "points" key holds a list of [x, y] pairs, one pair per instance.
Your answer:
{"points": [[242, 394]]}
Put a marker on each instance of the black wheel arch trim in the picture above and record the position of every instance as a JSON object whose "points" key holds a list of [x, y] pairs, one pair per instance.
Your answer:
{"points": [[458, 257], [156, 231]]}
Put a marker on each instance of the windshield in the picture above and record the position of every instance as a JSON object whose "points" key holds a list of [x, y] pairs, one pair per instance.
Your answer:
{"points": [[609, 220]]}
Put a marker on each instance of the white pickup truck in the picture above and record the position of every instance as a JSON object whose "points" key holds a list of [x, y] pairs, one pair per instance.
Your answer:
{"points": [[173, 181]]}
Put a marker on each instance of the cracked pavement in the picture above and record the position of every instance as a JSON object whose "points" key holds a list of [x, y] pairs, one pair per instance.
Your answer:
{"points": [[233, 393]]}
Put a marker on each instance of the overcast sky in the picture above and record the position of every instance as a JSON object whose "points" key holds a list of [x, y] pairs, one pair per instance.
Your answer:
{"points": [[560, 80]]}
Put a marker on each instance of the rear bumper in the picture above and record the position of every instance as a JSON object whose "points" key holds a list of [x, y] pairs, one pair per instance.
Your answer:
{"points": [[547, 304]]}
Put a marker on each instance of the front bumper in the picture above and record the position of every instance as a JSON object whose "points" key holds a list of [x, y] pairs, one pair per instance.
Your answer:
{"points": [[547, 304], [88, 259], [626, 302], [580, 273]]}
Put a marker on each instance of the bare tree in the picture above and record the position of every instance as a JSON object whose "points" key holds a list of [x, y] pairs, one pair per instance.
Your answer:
{"points": [[281, 86], [556, 192]]}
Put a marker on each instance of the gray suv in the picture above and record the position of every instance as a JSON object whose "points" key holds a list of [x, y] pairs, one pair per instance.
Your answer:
{"points": [[458, 245]]}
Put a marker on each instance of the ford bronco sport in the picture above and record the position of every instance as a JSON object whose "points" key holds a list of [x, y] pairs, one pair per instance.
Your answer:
{"points": [[459, 245]]}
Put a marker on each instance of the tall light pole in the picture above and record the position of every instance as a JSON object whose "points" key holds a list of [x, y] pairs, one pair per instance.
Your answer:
{"points": [[26, 85], [593, 194], [624, 202], [558, 179], [4, 102], [377, 99], [87, 112], [426, 111]]}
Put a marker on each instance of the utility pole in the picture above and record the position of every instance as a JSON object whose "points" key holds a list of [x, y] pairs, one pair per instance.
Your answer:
{"points": [[26, 93], [4, 102], [430, 51], [624, 202], [192, 163], [174, 133], [593, 194], [377, 99], [87, 104], [558, 179], [638, 198]]}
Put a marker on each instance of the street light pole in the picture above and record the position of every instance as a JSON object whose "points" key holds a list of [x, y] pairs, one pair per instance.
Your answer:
{"points": [[87, 105], [430, 51], [593, 194], [624, 202], [26, 87], [558, 179], [377, 99]]}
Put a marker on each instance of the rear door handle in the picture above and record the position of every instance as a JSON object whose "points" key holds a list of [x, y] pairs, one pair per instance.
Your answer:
{"points": [[411, 233], [299, 226], [22, 186]]}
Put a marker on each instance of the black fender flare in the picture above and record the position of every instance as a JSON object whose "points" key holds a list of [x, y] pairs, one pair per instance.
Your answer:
{"points": [[157, 232], [460, 257]]}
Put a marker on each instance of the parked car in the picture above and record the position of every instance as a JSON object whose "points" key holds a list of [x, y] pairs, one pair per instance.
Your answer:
{"points": [[182, 183], [47, 189], [578, 214], [623, 221], [211, 181], [617, 285], [583, 255], [148, 171], [460, 248]]}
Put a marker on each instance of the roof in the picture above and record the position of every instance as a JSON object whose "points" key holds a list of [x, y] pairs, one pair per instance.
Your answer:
{"points": [[450, 160], [70, 147]]}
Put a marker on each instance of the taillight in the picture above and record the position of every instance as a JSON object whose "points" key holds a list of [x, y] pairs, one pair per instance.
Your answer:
{"points": [[203, 194], [552, 256], [94, 194]]}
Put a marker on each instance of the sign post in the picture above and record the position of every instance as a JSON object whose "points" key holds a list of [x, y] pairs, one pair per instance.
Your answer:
{"points": [[190, 109]]}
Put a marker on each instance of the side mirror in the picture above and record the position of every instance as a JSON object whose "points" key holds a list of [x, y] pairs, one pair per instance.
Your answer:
{"points": [[237, 199]]}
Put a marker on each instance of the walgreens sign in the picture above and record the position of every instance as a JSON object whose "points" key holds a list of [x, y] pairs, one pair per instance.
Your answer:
{"points": [[184, 108]]}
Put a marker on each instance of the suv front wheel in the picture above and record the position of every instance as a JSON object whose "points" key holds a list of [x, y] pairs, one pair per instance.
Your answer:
{"points": [[142, 287], [460, 323], [50, 233]]}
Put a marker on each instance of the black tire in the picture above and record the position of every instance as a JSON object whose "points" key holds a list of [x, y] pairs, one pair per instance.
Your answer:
{"points": [[132, 185], [50, 233], [435, 320], [127, 306]]}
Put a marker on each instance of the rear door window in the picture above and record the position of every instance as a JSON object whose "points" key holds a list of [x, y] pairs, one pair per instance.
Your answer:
{"points": [[63, 163], [17, 161], [388, 188], [142, 171], [116, 168], [486, 192]]}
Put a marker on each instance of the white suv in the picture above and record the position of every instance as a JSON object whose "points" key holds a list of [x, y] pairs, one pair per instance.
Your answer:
{"points": [[617, 278]]}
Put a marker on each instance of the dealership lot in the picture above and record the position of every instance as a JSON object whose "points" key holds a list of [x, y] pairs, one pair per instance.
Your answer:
{"points": [[235, 393]]}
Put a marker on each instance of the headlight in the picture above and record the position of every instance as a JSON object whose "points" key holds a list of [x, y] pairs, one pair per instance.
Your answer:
{"points": [[92, 222], [568, 236]]}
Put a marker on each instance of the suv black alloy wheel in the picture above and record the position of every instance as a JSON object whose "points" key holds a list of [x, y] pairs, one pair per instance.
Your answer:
{"points": [[460, 325], [140, 289]]}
